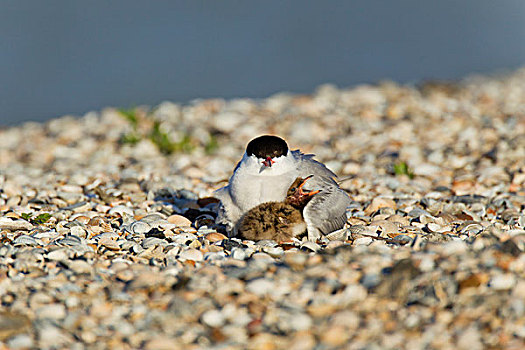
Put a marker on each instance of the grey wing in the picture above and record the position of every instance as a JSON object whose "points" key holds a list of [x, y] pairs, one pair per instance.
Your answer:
{"points": [[326, 212], [306, 165]]}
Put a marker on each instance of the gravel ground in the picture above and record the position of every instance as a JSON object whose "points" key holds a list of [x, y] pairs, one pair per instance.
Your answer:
{"points": [[108, 236]]}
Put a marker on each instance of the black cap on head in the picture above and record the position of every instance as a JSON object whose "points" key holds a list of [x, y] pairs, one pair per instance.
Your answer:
{"points": [[267, 146]]}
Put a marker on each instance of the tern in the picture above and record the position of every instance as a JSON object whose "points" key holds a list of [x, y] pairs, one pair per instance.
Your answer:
{"points": [[266, 172]]}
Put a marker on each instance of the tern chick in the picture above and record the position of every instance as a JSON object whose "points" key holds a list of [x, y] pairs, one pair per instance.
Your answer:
{"points": [[280, 221]]}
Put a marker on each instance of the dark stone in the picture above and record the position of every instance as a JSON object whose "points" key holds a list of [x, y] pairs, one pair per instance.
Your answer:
{"points": [[155, 232]]}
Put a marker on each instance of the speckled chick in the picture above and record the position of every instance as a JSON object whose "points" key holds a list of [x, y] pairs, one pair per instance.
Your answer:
{"points": [[280, 221]]}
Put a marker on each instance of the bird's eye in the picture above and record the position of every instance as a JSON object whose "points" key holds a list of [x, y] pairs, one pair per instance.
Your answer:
{"points": [[293, 189]]}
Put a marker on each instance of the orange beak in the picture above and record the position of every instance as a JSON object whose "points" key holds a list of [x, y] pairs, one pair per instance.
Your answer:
{"points": [[300, 188]]}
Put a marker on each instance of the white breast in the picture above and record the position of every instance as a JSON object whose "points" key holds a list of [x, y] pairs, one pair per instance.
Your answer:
{"points": [[251, 184], [249, 191]]}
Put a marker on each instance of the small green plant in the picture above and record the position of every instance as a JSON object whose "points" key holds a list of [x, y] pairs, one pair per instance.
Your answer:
{"points": [[131, 138], [402, 168], [161, 139], [130, 114], [185, 145], [42, 218], [145, 126], [212, 145], [39, 220]]}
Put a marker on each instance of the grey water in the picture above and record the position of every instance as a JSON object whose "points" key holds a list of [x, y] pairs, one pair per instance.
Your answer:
{"points": [[70, 57]]}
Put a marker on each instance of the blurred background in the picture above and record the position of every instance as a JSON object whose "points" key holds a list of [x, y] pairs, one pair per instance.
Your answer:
{"points": [[70, 57]]}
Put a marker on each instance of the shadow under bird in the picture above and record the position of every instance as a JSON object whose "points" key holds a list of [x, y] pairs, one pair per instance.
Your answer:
{"points": [[280, 221], [265, 173]]}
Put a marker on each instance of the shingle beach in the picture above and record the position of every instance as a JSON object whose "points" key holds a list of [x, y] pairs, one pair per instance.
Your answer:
{"points": [[108, 238]]}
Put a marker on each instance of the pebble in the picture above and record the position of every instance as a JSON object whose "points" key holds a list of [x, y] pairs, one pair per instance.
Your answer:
{"points": [[191, 254], [179, 221], [79, 266], [299, 322], [260, 286], [78, 231], [121, 210], [238, 254], [140, 227], [109, 242], [12, 324], [57, 255], [262, 258], [52, 311], [363, 241], [9, 224], [162, 343], [25, 240], [335, 336], [215, 237], [22, 341], [296, 260], [378, 203], [310, 246], [184, 238], [502, 282], [470, 340], [213, 318], [274, 252], [51, 336], [153, 241]]}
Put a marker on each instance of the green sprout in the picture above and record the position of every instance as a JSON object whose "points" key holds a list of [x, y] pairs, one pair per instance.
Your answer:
{"points": [[131, 138], [212, 145], [42, 218], [130, 114], [185, 145], [26, 216], [39, 220], [153, 132], [402, 168], [161, 139]]}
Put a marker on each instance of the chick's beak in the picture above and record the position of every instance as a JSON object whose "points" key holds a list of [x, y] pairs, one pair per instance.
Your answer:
{"points": [[307, 193], [268, 162]]}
